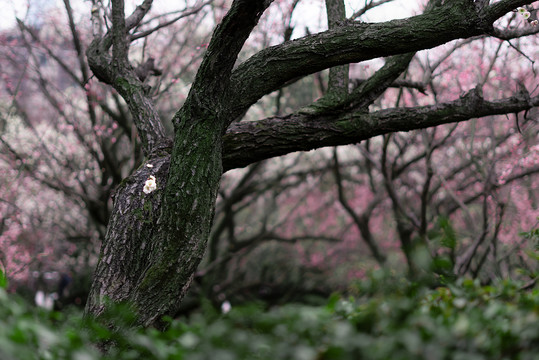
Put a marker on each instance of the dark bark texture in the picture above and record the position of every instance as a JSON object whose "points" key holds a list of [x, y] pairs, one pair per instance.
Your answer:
{"points": [[155, 241], [128, 245], [248, 142]]}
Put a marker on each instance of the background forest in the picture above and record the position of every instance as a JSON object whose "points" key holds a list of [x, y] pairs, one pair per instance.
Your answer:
{"points": [[456, 203]]}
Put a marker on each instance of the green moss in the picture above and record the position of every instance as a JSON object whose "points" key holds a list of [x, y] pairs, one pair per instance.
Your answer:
{"points": [[148, 212], [123, 184], [164, 152], [139, 214], [328, 103], [353, 123], [144, 214], [122, 82], [125, 87]]}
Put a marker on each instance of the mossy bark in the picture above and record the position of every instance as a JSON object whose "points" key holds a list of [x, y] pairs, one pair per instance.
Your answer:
{"points": [[128, 245], [155, 241]]}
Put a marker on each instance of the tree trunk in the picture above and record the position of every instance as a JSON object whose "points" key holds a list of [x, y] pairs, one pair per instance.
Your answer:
{"points": [[155, 241]]}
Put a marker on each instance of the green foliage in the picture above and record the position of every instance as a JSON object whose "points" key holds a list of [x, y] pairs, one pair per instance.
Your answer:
{"points": [[3, 279], [443, 236], [532, 238], [389, 318], [464, 320], [448, 236]]}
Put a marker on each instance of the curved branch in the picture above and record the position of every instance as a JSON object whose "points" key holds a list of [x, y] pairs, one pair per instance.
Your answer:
{"points": [[498, 9], [248, 142], [269, 69], [212, 81], [272, 67], [136, 17], [508, 34], [116, 70]]}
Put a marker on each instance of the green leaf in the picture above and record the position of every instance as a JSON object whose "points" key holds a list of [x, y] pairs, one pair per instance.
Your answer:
{"points": [[449, 237], [333, 300], [3, 280]]}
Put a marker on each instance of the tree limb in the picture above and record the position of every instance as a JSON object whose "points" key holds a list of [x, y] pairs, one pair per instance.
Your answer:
{"points": [[269, 69], [248, 142]]}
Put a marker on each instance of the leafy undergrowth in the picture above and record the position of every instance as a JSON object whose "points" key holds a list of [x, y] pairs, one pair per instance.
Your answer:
{"points": [[392, 319]]}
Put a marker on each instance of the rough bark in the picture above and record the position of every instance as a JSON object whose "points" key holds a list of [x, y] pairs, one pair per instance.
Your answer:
{"points": [[338, 76], [248, 142], [351, 42], [128, 245], [155, 241]]}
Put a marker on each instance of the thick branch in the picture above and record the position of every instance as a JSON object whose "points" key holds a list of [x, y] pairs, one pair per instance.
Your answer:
{"points": [[399, 83], [136, 17], [372, 88], [248, 142], [508, 34], [213, 77], [184, 220], [116, 70], [269, 69], [119, 39]]}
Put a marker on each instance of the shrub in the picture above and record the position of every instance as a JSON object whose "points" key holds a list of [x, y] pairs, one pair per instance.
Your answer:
{"points": [[398, 320]]}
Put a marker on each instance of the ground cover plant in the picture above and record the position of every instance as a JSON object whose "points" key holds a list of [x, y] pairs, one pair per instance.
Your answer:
{"points": [[388, 318]]}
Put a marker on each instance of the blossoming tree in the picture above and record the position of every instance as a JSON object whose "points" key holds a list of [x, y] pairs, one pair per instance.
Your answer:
{"points": [[67, 139]]}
